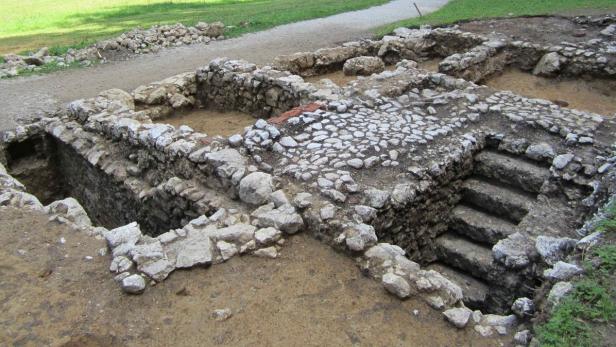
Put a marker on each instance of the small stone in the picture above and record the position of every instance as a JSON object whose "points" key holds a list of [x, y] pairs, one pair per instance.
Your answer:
{"points": [[552, 249], [267, 236], [558, 292], [222, 314], [256, 188], [522, 337], [302, 200], [459, 317], [235, 140], [396, 285], [561, 161], [562, 271], [360, 237], [484, 331], [376, 198], [523, 307], [496, 320], [133, 284], [269, 252], [227, 250], [355, 163], [540, 152]]}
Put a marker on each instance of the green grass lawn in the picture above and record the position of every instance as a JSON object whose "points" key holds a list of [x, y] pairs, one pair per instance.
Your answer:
{"points": [[586, 315], [457, 10], [31, 24]]}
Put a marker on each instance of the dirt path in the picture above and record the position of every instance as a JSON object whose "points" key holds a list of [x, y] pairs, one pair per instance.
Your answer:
{"points": [[52, 294], [23, 97]]}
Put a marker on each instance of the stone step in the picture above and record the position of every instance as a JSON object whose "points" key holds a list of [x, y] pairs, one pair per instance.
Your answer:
{"points": [[502, 201], [465, 255], [513, 171], [480, 226], [475, 291]]}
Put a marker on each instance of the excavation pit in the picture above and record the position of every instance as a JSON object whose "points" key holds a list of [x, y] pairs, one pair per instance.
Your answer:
{"points": [[595, 95], [211, 122]]}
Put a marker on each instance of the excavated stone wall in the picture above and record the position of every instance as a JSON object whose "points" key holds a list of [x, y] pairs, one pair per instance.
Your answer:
{"points": [[233, 85]]}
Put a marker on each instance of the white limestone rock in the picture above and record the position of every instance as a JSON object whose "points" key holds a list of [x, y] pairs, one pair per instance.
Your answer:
{"points": [[358, 237], [133, 284], [458, 316], [396, 285], [256, 188]]}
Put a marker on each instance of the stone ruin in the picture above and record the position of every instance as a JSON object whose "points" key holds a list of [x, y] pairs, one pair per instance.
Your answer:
{"points": [[467, 197]]}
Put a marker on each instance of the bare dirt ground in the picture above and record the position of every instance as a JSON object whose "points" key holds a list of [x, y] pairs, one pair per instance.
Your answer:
{"points": [[211, 122], [597, 96], [24, 97], [542, 30], [51, 294]]}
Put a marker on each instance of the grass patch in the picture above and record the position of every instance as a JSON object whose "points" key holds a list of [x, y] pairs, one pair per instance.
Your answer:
{"points": [[31, 24], [575, 321], [457, 10]]}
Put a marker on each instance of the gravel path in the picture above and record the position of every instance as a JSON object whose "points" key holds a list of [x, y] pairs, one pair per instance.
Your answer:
{"points": [[27, 96]]}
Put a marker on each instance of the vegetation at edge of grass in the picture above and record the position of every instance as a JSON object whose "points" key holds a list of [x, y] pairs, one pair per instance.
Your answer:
{"points": [[48, 68], [591, 302], [456, 10], [31, 24]]}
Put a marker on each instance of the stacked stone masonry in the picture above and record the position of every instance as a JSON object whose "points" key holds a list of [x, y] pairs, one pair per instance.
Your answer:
{"points": [[404, 170]]}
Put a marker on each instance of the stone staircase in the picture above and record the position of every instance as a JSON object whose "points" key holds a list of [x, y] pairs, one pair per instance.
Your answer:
{"points": [[494, 201]]}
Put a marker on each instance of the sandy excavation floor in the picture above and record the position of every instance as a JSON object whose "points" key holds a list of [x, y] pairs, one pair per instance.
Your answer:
{"points": [[51, 294], [597, 96], [212, 122]]}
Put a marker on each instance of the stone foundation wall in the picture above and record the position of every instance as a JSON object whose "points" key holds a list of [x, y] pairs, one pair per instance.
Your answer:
{"points": [[237, 85]]}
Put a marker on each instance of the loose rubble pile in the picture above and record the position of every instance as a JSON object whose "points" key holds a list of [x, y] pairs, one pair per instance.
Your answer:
{"points": [[138, 41], [441, 189]]}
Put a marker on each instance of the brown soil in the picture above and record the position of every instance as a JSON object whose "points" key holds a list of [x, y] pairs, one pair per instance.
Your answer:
{"points": [[212, 122], [50, 294], [542, 30], [597, 96]]}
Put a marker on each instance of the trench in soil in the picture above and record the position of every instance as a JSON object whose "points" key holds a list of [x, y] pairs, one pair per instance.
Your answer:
{"points": [[211, 122], [594, 95], [51, 170]]}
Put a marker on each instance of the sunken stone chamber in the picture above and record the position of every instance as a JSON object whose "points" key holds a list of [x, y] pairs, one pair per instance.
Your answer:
{"points": [[113, 189]]}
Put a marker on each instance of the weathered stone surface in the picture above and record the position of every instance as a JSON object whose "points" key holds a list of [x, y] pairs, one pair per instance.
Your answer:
{"points": [[553, 249], [548, 65], [558, 292], [227, 250], [256, 188], [458, 316], [541, 151], [497, 320], [133, 284], [562, 271], [283, 218], [129, 233], [376, 198], [513, 251], [363, 66], [268, 252], [396, 285], [157, 270], [238, 233], [194, 249], [360, 236], [70, 209], [523, 307], [523, 337], [267, 236]]}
